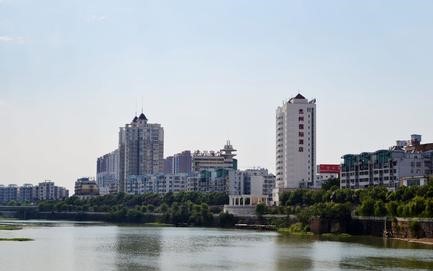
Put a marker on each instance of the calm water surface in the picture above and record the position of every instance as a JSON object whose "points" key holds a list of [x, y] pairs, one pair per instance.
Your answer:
{"points": [[90, 246]]}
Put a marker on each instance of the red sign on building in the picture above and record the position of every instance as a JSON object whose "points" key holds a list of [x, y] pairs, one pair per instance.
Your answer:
{"points": [[329, 168]]}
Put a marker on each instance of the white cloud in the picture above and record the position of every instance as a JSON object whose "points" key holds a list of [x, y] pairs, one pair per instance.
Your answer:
{"points": [[9, 39]]}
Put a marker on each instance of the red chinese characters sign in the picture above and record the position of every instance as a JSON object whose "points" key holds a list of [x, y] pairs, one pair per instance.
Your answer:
{"points": [[329, 168]]}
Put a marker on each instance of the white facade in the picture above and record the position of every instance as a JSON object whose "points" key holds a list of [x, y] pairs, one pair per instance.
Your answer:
{"points": [[414, 181], [383, 167], [141, 149], [257, 182], [107, 172], [46, 190], [215, 160], [296, 143], [212, 180], [159, 183], [323, 177]]}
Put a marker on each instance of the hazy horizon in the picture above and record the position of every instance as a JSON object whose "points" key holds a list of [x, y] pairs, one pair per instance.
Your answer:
{"points": [[73, 72]]}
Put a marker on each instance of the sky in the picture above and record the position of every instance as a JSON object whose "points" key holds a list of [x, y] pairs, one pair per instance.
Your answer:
{"points": [[73, 72]]}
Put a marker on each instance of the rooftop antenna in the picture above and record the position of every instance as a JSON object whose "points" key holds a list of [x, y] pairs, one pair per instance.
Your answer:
{"points": [[142, 104], [136, 106]]}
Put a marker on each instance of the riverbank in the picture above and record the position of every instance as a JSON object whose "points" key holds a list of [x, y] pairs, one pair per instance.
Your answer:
{"points": [[13, 228], [16, 239], [9, 227], [421, 241]]}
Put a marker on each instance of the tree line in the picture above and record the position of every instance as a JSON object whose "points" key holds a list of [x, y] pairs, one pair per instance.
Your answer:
{"points": [[333, 202], [181, 208]]}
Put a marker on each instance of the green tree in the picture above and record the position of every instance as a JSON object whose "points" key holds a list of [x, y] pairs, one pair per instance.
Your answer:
{"points": [[260, 209], [416, 206], [391, 208], [367, 207], [379, 208], [331, 184]]}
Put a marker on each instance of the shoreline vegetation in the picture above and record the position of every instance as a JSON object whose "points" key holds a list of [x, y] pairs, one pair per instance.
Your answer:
{"points": [[16, 239], [13, 228], [293, 216], [10, 227]]}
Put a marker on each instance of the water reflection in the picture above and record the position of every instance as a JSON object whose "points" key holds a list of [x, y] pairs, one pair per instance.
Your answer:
{"points": [[138, 248], [101, 247]]}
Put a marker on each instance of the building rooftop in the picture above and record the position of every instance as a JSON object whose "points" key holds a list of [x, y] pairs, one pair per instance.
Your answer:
{"points": [[299, 96], [420, 148], [142, 117]]}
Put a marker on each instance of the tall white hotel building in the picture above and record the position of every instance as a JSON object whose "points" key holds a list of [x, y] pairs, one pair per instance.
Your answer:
{"points": [[295, 144]]}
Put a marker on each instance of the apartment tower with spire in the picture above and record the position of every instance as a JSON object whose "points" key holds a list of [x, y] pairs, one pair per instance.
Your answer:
{"points": [[141, 149]]}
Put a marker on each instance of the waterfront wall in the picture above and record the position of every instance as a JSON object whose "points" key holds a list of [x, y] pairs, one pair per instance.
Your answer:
{"points": [[412, 228], [319, 226], [392, 227]]}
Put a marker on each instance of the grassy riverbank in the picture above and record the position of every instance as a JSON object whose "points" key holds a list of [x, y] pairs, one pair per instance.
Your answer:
{"points": [[296, 229], [13, 228], [10, 228], [16, 239]]}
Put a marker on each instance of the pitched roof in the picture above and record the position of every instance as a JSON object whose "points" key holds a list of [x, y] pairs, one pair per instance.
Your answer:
{"points": [[142, 117], [299, 96]]}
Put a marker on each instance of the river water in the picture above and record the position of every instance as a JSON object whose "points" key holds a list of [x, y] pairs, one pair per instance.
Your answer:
{"points": [[92, 246]]}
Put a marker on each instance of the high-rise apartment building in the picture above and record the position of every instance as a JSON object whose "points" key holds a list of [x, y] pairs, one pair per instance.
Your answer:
{"points": [[182, 162], [168, 165], [141, 149], [107, 172], [296, 143], [178, 163]]}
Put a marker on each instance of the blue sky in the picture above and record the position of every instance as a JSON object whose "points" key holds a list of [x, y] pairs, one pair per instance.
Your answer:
{"points": [[72, 72]]}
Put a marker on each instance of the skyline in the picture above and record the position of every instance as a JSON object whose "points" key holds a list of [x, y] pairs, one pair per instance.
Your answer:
{"points": [[71, 75]]}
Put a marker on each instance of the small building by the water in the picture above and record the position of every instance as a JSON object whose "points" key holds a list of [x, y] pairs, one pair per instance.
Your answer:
{"points": [[244, 204]]}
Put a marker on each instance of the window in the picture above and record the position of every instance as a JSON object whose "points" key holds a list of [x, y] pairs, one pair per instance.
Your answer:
{"points": [[301, 149], [301, 118], [301, 142], [301, 134], [301, 111], [301, 126]]}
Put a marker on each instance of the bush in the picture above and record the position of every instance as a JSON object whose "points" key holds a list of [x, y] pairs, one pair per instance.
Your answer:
{"points": [[226, 220], [260, 209]]}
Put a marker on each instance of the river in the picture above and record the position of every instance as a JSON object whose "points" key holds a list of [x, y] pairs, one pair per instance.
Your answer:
{"points": [[96, 246]]}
